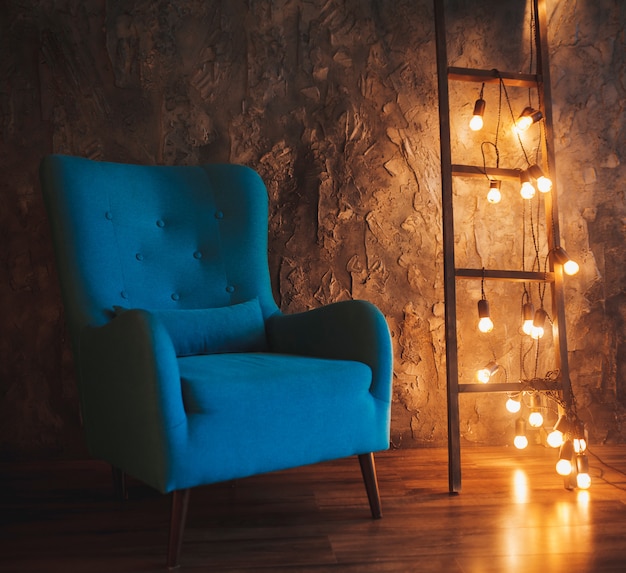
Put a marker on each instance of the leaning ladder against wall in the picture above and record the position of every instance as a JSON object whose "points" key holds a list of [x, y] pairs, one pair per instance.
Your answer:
{"points": [[541, 82]]}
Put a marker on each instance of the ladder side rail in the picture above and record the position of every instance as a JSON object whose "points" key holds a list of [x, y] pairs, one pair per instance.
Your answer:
{"points": [[551, 204], [452, 377]]}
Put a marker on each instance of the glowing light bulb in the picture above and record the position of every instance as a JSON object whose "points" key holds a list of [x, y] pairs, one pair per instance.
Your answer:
{"points": [[485, 374], [527, 118], [579, 442], [555, 439], [514, 406], [535, 419], [528, 315], [538, 324], [527, 190], [564, 467], [485, 324], [495, 195], [523, 123], [571, 267], [476, 123], [527, 327], [583, 481], [520, 441], [544, 184]]}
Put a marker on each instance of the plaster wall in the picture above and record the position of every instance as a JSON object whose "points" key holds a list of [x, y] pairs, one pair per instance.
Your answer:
{"points": [[335, 104]]}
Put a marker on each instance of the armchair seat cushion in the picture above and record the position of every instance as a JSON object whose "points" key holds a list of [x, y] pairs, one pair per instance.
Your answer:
{"points": [[257, 412]]}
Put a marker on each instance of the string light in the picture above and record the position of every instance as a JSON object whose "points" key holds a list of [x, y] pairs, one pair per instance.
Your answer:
{"points": [[485, 324], [528, 316], [485, 374], [567, 436], [580, 441], [556, 436], [494, 195], [544, 184], [535, 419], [521, 440], [476, 123], [564, 465], [527, 189], [539, 322], [528, 116], [514, 404], [570, 267], [583, 479]]}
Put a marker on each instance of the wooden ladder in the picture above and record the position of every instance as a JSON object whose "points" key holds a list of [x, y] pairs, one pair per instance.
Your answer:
{"points": [[449, 171]]}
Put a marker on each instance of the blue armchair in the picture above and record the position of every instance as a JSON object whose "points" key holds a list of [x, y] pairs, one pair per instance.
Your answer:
{"points": [[188, 372]]}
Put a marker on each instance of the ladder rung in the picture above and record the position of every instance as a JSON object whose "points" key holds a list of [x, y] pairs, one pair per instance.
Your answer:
{"points": [[494, 172], [508, 387], [518, 276], [493, 77]]}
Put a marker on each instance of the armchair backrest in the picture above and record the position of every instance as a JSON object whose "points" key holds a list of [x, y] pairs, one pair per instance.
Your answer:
{"points": [[155, 237]]}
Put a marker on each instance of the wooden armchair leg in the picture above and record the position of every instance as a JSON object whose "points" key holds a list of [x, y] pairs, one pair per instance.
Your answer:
{"points": [[119, 484], [180, 502], [368, 469]]}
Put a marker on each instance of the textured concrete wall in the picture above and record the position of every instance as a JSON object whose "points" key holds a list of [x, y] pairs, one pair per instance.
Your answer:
{"points": [[335, 103]]}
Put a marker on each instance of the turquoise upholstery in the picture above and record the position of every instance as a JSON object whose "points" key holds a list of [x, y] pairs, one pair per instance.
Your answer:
{"points": [[177, 246]]}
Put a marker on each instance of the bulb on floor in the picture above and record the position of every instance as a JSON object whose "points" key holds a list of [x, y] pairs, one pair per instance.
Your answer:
{"points": [[564, 465], [583, 479], [579, 442]]}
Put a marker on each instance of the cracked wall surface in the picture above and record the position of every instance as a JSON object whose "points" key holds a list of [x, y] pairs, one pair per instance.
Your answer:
{"points": [[334, 102]]}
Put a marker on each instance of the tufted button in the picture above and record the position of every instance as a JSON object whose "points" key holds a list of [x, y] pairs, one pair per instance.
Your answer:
{"points": [[219, 215], [108, 215], [230, 289], [124, 294], [197, 255], [139, 257], [160, 223], [175, 296]]}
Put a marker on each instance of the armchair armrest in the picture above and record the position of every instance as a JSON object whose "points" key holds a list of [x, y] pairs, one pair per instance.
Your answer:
{"points": [[131, 394], [348, 330]]}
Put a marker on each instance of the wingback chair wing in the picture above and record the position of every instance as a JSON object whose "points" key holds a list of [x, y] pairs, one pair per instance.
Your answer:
{"points": [[188, 372]]}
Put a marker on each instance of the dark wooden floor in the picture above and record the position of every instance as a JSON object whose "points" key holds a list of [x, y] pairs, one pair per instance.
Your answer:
{"points": [[513, 516]]}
